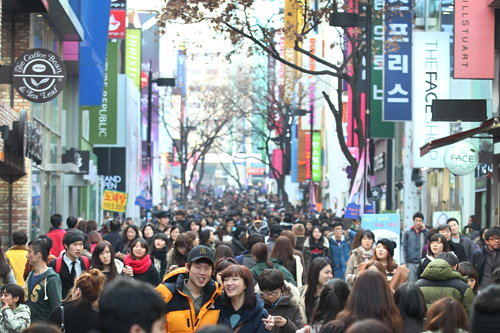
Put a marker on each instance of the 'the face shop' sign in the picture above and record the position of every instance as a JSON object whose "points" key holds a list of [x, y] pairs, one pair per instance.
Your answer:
{"points": [[461, 158], [38, 75]]}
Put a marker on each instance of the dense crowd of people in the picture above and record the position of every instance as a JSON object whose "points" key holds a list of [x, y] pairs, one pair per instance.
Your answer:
{"points": [[242, 263]]}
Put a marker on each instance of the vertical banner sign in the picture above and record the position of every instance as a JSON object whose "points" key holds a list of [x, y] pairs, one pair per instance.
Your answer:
{"points": [[133, 56], [397, 63], [431, 80], [292, 25], [384, 226], [277, 163], [181, 70], [103, 119], [474, 40], [378, 128], [308, 155], [316, 157]]}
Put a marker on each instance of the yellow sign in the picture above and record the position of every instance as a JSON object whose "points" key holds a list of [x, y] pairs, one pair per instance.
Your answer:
{"points": [[114, 201]]}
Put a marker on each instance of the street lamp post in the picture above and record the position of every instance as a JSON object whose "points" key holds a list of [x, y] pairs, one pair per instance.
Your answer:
{"points": [[344, 20], [163, 82]]}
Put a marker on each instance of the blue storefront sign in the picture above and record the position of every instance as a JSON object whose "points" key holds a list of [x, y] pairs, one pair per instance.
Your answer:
{"points": [[397, 60]]}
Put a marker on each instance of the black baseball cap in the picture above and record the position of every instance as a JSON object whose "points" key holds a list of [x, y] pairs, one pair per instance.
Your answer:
{"points": [[199, 252], [162, 214]]}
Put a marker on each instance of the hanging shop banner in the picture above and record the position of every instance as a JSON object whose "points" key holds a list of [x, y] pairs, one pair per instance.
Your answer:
{"points": [[378, 127], [293, 20], [38, 75], [277, 163], [133, 56], [431, 80], [439, 218], [461, 158], [181, 70], [103, 119], [308, 155], [316, 157], [384, 226], [397, 61], [114, 201], [474, 40], [117, 24], [315, 101]]}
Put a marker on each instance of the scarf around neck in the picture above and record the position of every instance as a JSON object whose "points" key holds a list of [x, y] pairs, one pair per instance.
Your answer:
{"points": [[366, 254], [138, 266]]}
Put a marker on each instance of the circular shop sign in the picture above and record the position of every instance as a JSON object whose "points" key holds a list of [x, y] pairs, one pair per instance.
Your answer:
{"points": [[38, 75], [461, 158]]}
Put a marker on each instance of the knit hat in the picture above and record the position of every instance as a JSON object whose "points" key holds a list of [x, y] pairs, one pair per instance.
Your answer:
{"points": [[389, 244], [239, 232], [276, 230]]}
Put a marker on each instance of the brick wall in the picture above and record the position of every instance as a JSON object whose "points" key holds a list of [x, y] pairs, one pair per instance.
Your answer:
{"points": [[22, 43], [21, 198]]}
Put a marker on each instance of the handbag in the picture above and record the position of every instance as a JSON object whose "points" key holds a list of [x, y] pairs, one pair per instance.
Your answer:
{"points": [[62, 329]]}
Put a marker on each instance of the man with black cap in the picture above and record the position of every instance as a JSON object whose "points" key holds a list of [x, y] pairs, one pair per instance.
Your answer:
{"points": [[275, 232], [192, 287], [162, 219], [239, 241]]}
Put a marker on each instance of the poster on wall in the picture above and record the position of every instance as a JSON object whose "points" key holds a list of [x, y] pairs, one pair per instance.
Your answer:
{"points": [[439, 218], [384, 226]]}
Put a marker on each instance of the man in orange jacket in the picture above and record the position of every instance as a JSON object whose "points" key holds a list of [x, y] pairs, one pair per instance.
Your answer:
{"points": [[193, 283]]}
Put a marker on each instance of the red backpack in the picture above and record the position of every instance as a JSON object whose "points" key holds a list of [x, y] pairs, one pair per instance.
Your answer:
{"points": [[60, 259]]}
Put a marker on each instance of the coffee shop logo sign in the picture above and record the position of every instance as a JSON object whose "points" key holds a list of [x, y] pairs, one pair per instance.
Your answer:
{"points": [[39, 75]]}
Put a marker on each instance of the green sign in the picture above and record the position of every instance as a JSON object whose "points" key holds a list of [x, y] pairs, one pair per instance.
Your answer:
{"points": [[316, 157], [133, 56], [103, 119], [378, 128]]}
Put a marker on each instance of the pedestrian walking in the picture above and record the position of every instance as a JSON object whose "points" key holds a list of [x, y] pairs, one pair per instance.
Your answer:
{"points": [[413, 242]]}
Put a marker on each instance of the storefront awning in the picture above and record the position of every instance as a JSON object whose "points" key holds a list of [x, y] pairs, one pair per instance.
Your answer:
{"points": [[491, 126], [65, 20]]}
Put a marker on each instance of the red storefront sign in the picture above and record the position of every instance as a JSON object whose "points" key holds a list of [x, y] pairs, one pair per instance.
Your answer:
{"points": [[117, 24], [255, 171]]}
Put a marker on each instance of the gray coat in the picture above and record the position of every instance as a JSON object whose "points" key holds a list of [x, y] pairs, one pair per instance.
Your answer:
{"points": [[468, 245], [412, 245]]}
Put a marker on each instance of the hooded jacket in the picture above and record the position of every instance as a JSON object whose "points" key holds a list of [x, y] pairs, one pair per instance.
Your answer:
{"points": [[263, 230], [45, 295], [413, 242], [288, 308], [308, 255], [180, 315], [250, 321], [340, 255], [237, 247], [15, 321], [246, 259], [440, 280], [277, 264], [17, 259]]}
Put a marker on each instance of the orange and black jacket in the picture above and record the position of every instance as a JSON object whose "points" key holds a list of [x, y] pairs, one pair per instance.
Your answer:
{"points": [[181, 316]]}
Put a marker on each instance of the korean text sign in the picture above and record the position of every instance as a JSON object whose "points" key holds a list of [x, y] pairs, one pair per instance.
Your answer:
{"points": [[114, 201], [397, 61], [316, 157], [384, 226]]}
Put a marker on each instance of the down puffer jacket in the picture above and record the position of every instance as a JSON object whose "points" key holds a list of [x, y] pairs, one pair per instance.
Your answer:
{"points": [[440, 280]]}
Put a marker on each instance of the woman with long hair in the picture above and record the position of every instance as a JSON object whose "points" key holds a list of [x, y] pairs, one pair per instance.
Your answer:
{"points": [[174, 233], [177, 256], [437, 244], [79, 313], [94, 239], [159, 253], [207, 238], [123, 245], [359, 255], [283, 250], [447, 316], [103, 259], [91, 226], [6, 272], [320, 271], [138, 263], [281, 300], [384, 253], [316, 245], [467, 270], [242, 310], [194, 226], [82, 225], [299, 257], [260, 254], [222, 233], [148, 231], [370, 298], [412, 308], [332, 300]]}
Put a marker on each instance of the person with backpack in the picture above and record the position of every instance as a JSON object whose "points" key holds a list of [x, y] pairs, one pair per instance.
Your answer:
{"points": [[71, 264], [43, 286]]}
